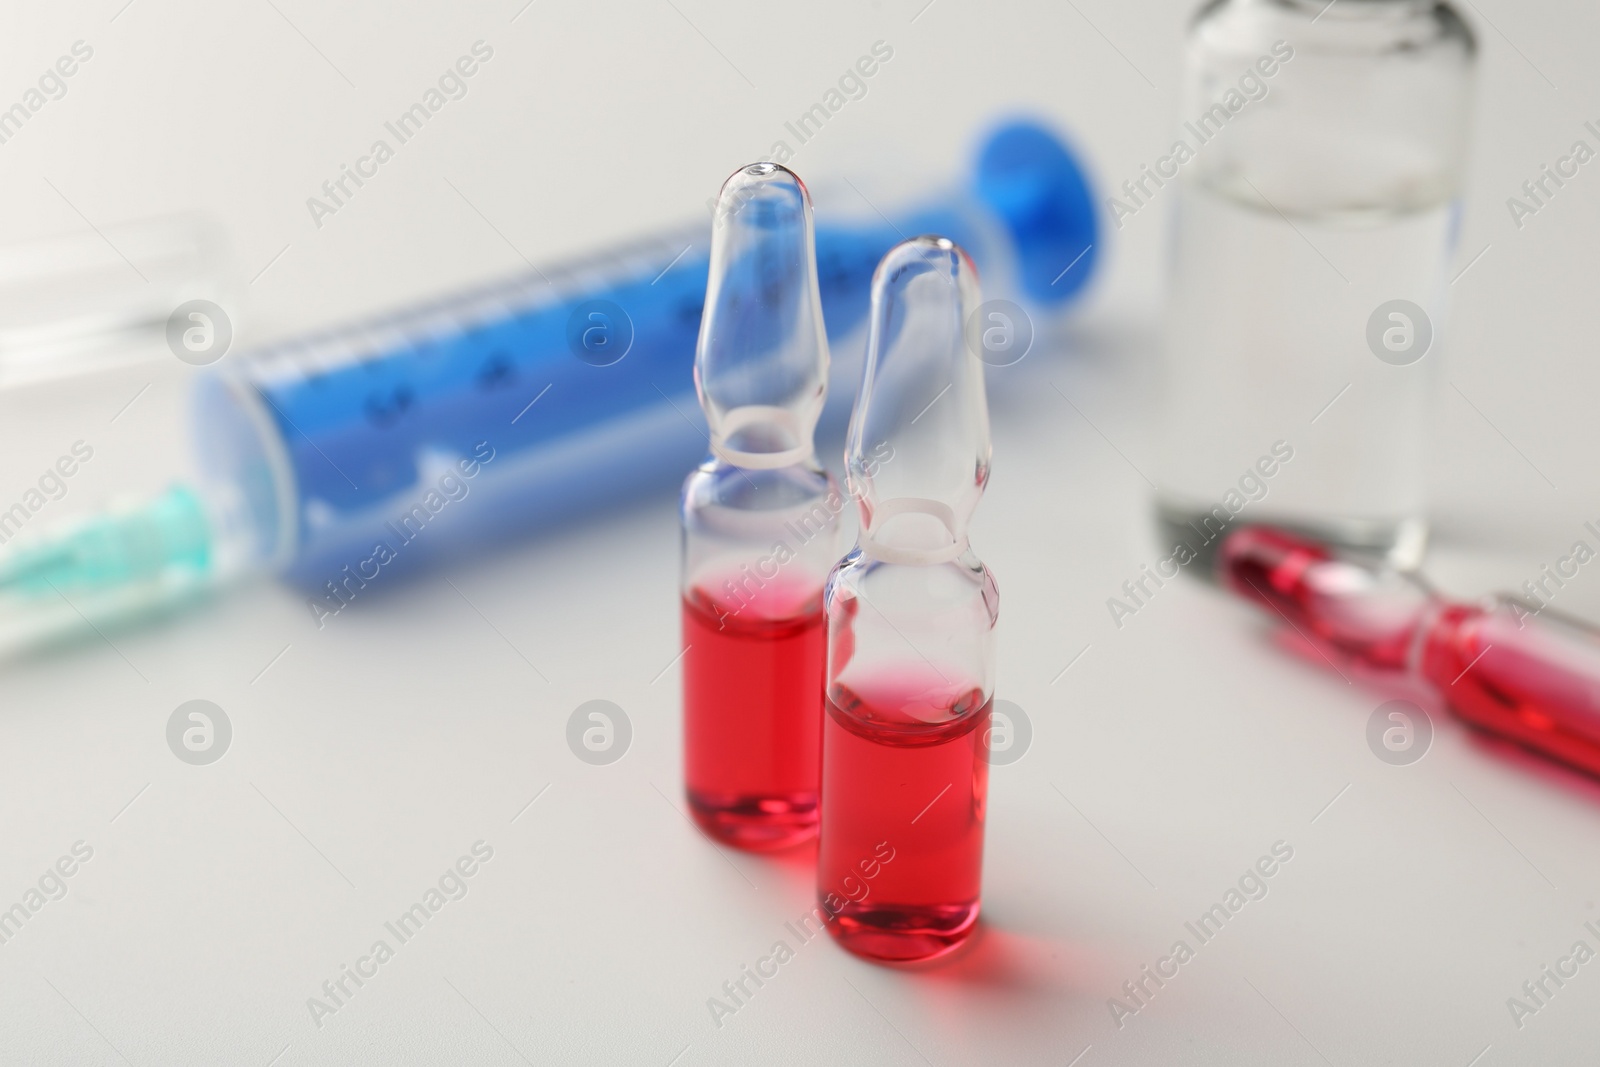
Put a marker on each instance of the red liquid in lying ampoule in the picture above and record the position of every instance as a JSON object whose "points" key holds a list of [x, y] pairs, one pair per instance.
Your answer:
{"points": [[1528, 677], [1533, 681], [900, 864], [752, 714], [1371, 616]]}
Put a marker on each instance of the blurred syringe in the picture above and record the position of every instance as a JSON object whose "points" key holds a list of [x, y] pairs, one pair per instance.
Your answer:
{"points": [[337, 458]]}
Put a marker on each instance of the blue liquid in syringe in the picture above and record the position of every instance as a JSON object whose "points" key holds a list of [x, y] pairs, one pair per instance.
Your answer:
{"points": [[578, 383]]}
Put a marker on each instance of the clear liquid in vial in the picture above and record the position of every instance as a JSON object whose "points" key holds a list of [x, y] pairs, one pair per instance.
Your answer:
{"points": [[1267, 326]]}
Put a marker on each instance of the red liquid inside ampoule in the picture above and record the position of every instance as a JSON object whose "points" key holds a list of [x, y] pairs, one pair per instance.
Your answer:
{"points": [[1373, 616], [752, 714], [901, 857], [1513, 671], [1526, 679]]}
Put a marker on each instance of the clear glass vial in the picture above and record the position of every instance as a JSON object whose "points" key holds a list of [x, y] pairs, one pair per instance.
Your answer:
{"points": [[1317, 166], [760, 524]]}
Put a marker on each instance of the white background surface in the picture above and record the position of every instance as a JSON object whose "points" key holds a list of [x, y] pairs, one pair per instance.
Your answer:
{"points": [[370, 755]]}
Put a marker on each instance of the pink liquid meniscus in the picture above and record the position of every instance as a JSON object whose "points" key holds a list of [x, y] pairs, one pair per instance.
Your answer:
{"points": [[752, 714], [906, 781]]}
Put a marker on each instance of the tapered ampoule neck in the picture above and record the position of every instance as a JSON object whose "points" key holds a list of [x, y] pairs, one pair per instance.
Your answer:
{"points": [[918, 453], [762, 364]]}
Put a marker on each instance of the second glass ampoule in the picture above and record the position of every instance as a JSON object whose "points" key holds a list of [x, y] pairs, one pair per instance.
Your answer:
{"points": [[911, 613], [760, 524]]}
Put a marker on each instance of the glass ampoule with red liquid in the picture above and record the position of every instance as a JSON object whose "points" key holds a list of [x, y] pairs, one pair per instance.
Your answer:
{"points": [[910, 621], [1510, 666], [760, 524]]}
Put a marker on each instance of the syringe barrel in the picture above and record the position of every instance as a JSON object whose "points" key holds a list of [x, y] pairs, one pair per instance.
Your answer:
{"points": [[384, 445]]}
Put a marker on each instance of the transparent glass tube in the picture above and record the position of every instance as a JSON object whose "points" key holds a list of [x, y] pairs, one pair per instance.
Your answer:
{"points": [[1511, 667], [910, 615], [1317, 165], [760, 524]]}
